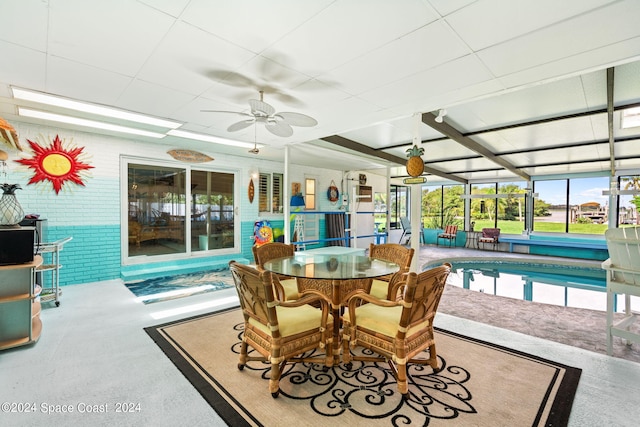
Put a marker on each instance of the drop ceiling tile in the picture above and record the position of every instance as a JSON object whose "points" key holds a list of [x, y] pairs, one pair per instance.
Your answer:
{"points": [[188, 70], [253, 25], [533, 103], [418, 88], [508, 20], [446, 7], [23, 67], [580, 34], [321, 40], [537, 136], [171, 7], [626, 88], [628, 148], [423, 49], [34, 35], [596, 59], [84, 32], [152, 99], [84, 83]]}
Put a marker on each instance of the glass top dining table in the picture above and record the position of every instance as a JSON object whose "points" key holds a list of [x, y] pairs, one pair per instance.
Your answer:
{"points": [[336, 276], [331, 267]]}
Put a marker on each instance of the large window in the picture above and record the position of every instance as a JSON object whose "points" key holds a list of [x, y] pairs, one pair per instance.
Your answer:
{"points": [[571, 205], [629, 204], [380, 209], [399, 206], [511, 207], [271, 193], [442, 206], [484, 210], [173, 210]]}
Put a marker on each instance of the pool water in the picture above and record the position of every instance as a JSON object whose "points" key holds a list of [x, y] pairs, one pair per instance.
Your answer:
{"points": [[571, 285]]}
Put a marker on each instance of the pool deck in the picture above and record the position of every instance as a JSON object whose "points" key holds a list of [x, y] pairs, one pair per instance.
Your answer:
{"points": [[577, 327]]}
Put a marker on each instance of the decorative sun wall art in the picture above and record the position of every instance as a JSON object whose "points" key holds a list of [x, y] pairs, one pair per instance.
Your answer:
{"points": [[56, 164]]}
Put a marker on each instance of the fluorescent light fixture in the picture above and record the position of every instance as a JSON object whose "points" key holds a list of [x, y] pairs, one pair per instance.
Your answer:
{"points": [[210, 138], [26, 112], [57, 101]]}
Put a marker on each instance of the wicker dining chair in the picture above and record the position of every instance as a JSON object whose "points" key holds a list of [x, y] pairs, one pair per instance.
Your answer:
{"points": [[279, 330], [269, 251], [392, 252], [398, 331]]}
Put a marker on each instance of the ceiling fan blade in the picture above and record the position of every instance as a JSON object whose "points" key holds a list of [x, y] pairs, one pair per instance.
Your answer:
{"points": [[240, 125], [279, 129], [262, 107], [237, 113], [298, 119]]}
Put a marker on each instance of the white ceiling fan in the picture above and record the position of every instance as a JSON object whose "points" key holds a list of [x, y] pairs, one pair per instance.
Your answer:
{"points": [[278, 124]]}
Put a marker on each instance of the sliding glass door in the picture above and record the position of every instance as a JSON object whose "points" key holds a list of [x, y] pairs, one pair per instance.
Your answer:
{"points": [[175, 210]]}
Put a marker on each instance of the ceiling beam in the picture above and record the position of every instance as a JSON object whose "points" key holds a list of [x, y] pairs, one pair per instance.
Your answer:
{"points": [[612, 153], [430, 120], [361, 148]]}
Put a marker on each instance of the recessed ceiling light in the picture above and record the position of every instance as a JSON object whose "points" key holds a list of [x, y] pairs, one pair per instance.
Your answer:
{"points": [[26, 112], [210, 138], [43, 98]]}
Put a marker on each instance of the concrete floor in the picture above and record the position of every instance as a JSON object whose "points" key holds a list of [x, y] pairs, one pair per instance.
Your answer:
{"points": [[94, 358]]}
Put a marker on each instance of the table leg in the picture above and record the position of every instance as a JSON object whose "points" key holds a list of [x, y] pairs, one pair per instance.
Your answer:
{"points": [[336, 305]]}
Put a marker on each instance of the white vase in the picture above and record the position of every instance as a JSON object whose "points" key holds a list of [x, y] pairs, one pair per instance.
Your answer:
{"points": [[11, 212]]}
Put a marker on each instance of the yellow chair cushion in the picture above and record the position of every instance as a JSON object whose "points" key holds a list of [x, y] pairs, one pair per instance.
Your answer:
{"points": [[294, 320], [383, 320], [379, 289], [290, 289]]}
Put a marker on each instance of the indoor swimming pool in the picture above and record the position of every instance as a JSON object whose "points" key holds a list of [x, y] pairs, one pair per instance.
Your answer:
{"points": [[559, 283]]}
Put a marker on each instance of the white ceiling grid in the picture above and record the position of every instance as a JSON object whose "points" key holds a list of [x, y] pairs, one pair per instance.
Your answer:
{"points": [[362, 68]]}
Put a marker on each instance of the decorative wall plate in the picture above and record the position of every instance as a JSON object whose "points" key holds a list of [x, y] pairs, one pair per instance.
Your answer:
{"points": [[332, 193], [56, 164]]}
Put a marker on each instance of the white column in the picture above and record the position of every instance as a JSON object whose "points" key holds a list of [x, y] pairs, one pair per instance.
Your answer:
{"points": [[287, 197], [416, 219]]}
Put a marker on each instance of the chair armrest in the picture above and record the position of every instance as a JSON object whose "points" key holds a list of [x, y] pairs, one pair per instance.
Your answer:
{"points": [[396, 285], [278, 289], [307, 297]]}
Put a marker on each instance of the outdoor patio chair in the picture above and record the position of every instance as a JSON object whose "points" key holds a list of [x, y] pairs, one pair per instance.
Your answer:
{"points": [[450, 234], [268, 251], [279, 330], [406, 231], [392, 252], [490, 236], [623, 278], [398, 331]]}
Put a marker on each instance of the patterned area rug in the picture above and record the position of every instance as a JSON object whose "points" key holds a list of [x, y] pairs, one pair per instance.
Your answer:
{"points": [[179, 286], [481, 384]]}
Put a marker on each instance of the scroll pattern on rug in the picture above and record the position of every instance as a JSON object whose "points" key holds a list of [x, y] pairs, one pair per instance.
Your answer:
{"points": [[371, 387]]}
